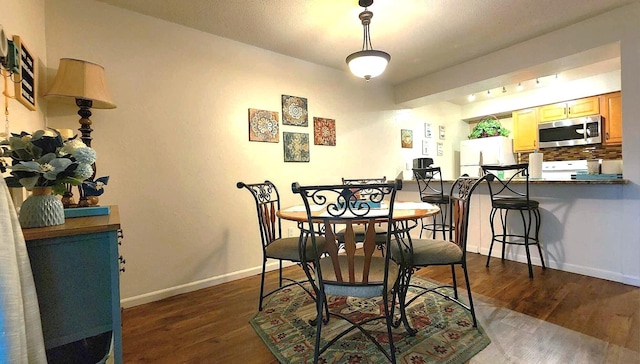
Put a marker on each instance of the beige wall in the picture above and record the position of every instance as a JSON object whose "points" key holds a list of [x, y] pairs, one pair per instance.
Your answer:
{"points": [[178, 141]]}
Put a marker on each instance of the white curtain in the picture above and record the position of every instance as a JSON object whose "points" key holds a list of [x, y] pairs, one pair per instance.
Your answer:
{"points": [[20, 328]]}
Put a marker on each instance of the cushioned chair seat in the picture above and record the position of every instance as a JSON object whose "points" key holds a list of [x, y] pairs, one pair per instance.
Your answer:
{"points": [[376, 275], [287, 248], [435, 199], [429, 252], [515, 203]]}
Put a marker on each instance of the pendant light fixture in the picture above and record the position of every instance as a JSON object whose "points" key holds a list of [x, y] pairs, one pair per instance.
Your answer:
{"points": [[368, 62]]}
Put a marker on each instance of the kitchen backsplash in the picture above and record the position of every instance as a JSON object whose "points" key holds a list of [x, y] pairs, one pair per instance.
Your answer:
{"points": [[577, 152]]}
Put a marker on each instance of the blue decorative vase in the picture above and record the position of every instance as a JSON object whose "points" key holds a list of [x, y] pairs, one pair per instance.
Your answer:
{"points": [[41, 209]]}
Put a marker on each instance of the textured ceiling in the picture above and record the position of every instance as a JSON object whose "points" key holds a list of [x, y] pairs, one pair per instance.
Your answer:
{"points": [[422, 36]]}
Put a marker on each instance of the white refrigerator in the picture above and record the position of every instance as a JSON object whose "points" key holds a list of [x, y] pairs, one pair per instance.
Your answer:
{"points": [[492, 150]]}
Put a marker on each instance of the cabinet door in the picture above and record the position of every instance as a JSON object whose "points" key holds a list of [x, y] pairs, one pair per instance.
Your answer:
{"points": [[583, 107], [525, 130], [553, 112], [612, 114]]}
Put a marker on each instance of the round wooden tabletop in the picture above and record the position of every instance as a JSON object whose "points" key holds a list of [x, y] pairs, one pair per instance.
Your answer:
{"points": [[402, 211]]}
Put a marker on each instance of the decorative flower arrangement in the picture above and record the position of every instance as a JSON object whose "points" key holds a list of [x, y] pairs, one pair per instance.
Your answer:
{"points": [[41, 160]]}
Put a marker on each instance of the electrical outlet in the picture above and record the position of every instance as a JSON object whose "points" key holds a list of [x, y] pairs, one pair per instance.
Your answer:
{"points": [[291, 232]]}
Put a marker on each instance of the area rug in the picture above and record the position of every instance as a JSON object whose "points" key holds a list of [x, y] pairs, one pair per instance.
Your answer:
{"points": [[445, 332]]}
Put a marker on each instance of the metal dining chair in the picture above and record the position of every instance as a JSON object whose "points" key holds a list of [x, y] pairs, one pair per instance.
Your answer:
{"points": [[356, 273], [413, 254], [274, 246]]}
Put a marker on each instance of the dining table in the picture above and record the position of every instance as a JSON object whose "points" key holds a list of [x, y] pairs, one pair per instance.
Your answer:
{"points": [[406, 213]]}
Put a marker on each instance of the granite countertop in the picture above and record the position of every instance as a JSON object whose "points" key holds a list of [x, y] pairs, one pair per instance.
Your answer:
{"points": [[556, 182]]}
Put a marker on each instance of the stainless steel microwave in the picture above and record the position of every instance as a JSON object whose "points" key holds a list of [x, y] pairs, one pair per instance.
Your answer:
{"points": [[568, 132]]}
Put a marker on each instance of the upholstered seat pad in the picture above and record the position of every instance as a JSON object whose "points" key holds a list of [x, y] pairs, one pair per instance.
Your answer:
{"points": [[376, 276], [429, 252], [287, 248], [515, 203], [435, 199]]}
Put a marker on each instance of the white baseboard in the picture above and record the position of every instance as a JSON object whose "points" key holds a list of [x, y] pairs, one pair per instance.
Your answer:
{"points": [[194, 286], [572, 268], [209, 282]]}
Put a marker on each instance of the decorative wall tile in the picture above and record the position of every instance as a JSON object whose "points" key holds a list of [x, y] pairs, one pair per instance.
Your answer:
{"points": [[296, 147], [294, 111], [263, 126], [324, 131]]}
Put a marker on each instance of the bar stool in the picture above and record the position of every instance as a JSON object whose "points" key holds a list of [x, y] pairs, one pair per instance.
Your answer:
{"points": [[431, 190], [511, 193]]}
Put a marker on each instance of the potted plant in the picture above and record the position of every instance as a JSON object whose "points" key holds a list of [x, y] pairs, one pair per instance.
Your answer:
{"points": [[488, 127]]}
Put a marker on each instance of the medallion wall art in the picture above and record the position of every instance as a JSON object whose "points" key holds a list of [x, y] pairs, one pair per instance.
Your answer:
{"points": [[294, 111], [324, 131], [264, 127]]}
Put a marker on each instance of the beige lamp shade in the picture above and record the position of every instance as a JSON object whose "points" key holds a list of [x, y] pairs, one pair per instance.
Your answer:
{"points": [[77, 79]]}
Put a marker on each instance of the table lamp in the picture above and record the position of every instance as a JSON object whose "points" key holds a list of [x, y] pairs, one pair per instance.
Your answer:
{"points": [[85, 83]]}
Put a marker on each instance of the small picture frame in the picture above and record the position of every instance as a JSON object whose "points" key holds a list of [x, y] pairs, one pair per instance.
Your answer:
{"points": [[442, 134], [440, 149], [428, 132], [425, 147], [406, 138]]}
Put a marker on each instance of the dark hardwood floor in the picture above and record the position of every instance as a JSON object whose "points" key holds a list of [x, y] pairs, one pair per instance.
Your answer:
{"points": [[212, 325]]}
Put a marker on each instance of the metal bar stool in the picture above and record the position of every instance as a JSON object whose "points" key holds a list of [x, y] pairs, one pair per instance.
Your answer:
{"points": [[509, 192], [431, 190]]}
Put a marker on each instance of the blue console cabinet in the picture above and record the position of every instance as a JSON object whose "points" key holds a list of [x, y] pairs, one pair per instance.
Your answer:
{"points": [[76, 271]]}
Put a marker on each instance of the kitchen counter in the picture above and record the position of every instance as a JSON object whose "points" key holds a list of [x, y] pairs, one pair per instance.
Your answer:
{"points": [[554, 182], [581, 229]]}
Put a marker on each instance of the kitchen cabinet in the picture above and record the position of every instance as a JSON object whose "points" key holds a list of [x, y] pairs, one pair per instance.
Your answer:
{"points": [[570, 109], [76, 271], [525, 130], [611, 110]]}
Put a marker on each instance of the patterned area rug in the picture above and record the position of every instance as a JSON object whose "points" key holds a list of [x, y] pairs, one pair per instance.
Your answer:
{"points": [[445, 331]]}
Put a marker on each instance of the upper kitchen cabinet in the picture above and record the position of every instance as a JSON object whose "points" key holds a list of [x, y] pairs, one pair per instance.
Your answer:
{"points": [[611, 110], [525, 130], [570, 109]]}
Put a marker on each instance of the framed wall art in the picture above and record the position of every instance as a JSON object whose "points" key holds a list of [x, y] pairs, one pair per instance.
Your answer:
{"points": [[294, 111], [324, 131], [25, 90], [406, 138], [428, 133], [440, 149], [441, 128], [263, 126], [296, 147], [426, 147]]}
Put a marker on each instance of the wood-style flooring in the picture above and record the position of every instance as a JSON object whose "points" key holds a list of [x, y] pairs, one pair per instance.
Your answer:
{"points": [[211, 325]]}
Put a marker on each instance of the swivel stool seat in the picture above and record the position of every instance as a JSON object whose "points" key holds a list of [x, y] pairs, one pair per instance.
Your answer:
{"points": [[509, 190]]}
